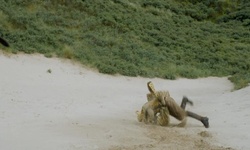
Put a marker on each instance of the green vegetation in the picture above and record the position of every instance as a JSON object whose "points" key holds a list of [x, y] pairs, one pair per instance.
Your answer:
{"points": [[149, 38]]}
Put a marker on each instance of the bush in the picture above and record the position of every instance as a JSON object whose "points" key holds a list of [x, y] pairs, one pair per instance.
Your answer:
{"points": [[166, 39]]}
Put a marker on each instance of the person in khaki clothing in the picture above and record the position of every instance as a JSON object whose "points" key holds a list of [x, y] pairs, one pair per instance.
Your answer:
{"points": [[179, 112]]}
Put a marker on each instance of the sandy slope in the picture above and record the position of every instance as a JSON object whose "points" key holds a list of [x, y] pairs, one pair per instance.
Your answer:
{"points": [[74, 108]]}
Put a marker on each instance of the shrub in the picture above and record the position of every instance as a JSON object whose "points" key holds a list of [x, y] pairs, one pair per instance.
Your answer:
{"points": [[167, 39]]}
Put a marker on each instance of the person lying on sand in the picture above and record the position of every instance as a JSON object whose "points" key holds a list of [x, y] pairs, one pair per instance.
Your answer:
{"points": [[161, 102]]}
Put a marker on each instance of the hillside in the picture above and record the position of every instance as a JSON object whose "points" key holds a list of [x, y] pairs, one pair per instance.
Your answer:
{"points": [[158, 38]]}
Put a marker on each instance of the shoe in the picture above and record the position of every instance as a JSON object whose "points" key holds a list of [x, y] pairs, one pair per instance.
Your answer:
{"points": [[188, 101], [205, 122]]}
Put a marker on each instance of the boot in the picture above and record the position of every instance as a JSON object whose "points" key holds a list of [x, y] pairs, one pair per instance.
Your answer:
{"points": [[204, 120], [185, 100]]}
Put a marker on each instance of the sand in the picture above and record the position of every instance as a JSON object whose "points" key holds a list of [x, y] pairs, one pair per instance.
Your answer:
{"points": [[50, 103]]}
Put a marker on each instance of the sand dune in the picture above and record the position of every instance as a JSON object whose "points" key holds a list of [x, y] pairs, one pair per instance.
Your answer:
{"points": [[49, 103]]}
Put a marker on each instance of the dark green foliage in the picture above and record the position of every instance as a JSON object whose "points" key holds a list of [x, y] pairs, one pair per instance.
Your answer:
{"points": [[240, 80], [242, 13], [157, 38]]}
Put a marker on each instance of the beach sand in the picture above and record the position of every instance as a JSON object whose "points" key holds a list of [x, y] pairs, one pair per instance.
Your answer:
{"points": [[51, 103]]}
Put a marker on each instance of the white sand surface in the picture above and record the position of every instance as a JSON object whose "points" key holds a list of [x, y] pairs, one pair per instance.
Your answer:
{"points": [[74, 108]]}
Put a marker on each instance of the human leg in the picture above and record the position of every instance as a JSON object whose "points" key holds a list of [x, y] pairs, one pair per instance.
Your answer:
{"points": [[204, 120], [184, 102]]}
